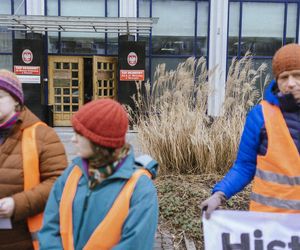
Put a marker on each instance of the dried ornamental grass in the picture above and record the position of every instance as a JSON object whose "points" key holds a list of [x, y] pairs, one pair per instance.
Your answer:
{"points": [[173, 125]]}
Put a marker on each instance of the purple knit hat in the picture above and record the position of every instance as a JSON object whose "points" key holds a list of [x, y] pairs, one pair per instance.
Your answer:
{"points": [[11, 84]]}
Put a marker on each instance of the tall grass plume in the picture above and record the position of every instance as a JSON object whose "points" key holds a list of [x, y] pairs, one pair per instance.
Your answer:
{"points": [[172, 121]]}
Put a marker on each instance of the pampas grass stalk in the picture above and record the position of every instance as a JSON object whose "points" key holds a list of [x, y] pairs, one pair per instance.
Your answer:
{"points": [[172, 121]]}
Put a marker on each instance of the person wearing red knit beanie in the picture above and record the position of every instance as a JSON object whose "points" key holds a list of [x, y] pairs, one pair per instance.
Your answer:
{"points": [[103, 213]]}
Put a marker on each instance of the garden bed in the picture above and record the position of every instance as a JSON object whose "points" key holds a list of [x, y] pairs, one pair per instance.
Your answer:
{"points": [[179, 200]]}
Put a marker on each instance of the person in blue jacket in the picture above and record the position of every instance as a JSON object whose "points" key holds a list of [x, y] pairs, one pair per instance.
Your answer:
{"points": [[106, 164], [283, 92]]}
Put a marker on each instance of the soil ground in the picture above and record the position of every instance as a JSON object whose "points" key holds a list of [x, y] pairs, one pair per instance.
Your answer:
{"points": [[179, 200]]}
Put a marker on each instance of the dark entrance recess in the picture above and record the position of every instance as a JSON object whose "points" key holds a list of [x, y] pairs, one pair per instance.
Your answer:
{"points": [[88, 79]]}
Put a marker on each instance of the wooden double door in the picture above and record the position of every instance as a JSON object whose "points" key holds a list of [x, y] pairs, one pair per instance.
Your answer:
{"points": [[75, 80]]}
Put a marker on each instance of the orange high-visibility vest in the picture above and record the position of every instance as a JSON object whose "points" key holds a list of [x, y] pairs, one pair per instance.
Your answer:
{"points": [[276, 185], [108, 232], [31, 175]]}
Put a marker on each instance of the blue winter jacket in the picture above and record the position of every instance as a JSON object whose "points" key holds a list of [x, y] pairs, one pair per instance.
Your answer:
{"points": [[253, 142], [91, 206]]}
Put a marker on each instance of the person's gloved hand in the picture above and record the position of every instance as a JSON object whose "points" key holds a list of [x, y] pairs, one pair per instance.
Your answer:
{"points": [[7, 207], [212, 203]]}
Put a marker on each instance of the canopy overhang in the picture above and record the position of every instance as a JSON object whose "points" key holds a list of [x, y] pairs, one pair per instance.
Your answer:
{"points": [[29, 23]]}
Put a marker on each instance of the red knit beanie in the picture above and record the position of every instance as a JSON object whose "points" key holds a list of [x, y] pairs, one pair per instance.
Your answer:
{"points": [[286, 58], [104, 122]]}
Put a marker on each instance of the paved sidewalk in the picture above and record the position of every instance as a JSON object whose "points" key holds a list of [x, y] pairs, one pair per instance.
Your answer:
{"points": [[66, 133]]}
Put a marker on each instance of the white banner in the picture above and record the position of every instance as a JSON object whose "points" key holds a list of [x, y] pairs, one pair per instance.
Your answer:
{"points": [[29, 79], [242, 230]]}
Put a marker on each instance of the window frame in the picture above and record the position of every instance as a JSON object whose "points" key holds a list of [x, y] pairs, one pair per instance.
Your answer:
{"points": [[241, 2]]}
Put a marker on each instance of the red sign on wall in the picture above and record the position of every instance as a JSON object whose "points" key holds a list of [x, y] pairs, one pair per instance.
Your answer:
{"points": [[132, 75], [27, 70]]}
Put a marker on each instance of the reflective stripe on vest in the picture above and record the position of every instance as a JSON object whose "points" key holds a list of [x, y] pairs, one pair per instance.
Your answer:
{"points": [[108, 232], [276, 186], [31, 175]]}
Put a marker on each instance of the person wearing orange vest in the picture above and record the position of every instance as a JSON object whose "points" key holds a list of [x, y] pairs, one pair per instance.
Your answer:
{"points": [[269, 149], [106, 198], [31, 158]]}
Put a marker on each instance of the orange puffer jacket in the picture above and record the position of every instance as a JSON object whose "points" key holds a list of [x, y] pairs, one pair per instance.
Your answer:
{"points": [[52, 162]]}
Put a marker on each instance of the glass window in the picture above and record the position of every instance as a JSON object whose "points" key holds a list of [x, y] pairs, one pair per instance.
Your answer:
{"points": [[112, 8], [171, 64], [228, 64], [6, 62], [5, 7], [83, 8], [202, 26], [256, 64], [147, 69], [233, 29], [261, 81], [5, 40], [262, 28], [53, 45], [144, 8], [259, 62], [20, 34], [174, 33], [82, 43], [112, 44], [145, 38], [291, 23], [19, 7], [172, 45], [52, 7]]}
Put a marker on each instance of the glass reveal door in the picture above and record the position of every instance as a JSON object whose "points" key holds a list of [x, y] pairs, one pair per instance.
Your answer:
{"points": [[105, 77], [65, 87]]}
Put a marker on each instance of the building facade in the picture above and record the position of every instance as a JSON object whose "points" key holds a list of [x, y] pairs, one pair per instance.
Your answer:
{"points": [[217, 30]]}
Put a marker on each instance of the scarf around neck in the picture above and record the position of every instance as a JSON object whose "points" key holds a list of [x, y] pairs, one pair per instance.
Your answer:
{"points": [[99, 173], [288, 103]]}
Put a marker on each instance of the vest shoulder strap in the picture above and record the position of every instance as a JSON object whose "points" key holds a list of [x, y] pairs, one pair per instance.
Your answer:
{"points": [[30, 156], [115, 218], [65, 208], [31, 171]]}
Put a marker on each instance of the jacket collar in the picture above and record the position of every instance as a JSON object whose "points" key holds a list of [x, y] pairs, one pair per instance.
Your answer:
{"points": [[124, 172], [27, 118], [270, 93]]}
